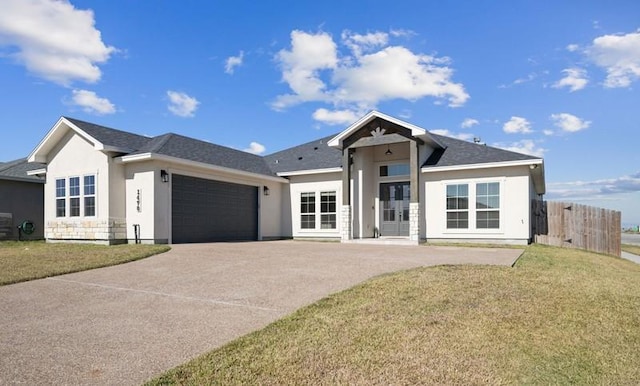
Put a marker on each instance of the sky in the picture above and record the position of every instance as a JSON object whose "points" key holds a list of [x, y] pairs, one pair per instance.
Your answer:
{"points": [[555, 79]]}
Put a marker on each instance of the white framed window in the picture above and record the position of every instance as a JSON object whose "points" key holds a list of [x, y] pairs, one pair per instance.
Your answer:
{"points": [[327, 210], [308, 210], [458, 206], [89, 195], [74, 196], [61, 197], [488, 205], [318, 210], [79, 198]]}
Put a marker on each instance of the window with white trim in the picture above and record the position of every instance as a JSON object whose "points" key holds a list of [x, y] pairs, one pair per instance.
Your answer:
{"points": [[488, 205], [61, 200], [74, 196], [318, 210], [89, 195], [308, 210], [327, 210], [458, 206], [80, 197]]}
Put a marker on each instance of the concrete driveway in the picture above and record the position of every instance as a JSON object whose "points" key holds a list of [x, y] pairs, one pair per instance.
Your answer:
{"points": [[125, 324]]}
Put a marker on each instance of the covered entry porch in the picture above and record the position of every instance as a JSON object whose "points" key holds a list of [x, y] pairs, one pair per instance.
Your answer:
{"points": [[380, 180]]}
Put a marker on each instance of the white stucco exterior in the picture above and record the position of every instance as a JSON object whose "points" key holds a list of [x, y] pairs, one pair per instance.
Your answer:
{"points": [[515, 202]]}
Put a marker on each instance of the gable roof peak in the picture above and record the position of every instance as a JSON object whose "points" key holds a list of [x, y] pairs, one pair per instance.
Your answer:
{"points": [[416, 131]]}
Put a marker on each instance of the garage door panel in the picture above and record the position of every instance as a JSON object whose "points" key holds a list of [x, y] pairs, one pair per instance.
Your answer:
{"points": [[207, 210]]}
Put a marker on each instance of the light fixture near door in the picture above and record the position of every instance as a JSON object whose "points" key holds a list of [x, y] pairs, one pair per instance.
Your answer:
{"points": [[388, 152]]}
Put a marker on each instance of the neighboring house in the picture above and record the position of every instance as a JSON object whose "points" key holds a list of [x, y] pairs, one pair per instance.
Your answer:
{"points": [[403, 183], [21, 199]]}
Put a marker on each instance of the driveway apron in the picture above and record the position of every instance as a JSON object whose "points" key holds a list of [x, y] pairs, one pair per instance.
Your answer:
{"points": [[125, 324]]}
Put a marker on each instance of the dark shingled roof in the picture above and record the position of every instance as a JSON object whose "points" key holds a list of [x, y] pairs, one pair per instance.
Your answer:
{"points": [[312, 155], [179, 146], [17, 170], [309, 156], [459, 152], [111, 137]]}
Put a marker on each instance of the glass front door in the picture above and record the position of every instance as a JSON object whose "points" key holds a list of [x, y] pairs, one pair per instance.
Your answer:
{"points": [[394, 209]]}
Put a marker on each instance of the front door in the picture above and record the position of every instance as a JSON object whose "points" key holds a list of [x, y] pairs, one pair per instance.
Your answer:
{"points": [[394, 209]]}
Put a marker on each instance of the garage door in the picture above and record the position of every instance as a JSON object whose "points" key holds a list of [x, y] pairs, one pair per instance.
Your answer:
{"points": [[205, 210]]}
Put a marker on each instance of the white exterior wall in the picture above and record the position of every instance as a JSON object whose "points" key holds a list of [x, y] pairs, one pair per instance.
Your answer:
{"points": [[270, 209], [314, 183], [75, 157], [140, 181], [514, 204]]}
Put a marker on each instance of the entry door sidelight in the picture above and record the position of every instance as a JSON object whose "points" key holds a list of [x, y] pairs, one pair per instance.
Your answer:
{"points": [[394, 209]]}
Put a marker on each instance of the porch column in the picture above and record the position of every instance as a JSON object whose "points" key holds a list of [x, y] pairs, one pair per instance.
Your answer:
{"points": [[345, 212], [414, 199]]}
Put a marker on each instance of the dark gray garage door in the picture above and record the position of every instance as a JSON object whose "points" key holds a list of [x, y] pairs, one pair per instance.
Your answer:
{"points": [[205, 210]]}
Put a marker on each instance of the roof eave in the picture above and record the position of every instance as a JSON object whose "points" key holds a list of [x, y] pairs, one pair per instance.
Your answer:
{"points": [[55, 134], [181, 161], [485, 165], [309, 171]]}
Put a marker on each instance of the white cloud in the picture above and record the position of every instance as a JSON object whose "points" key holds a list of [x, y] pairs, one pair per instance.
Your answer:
{"points": [[596, 188], [232, 62], [518, 81], [370, 72], [53, 40], [181, 104], [92, 103], [525, 146], [573, 47], [619, 55], [469, 122], [309, 54], [569, 123], [402, 33], [364, 43], [517, 125], [255, 148], [396, 73], [575, 79], [336, 117], [548, 132], [447, 133]]}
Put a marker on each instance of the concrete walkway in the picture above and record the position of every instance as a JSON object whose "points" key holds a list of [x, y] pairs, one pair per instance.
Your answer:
{"points": [[125, 324], [631, 256]]}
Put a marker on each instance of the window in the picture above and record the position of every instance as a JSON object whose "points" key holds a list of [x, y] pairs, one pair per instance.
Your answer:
{"points": [[60, 197], [90, 195], [81, 199], [458, 206], [308, 210], [325, 212], [488, 205], [394, 170], [74, 194], [328, 210]]}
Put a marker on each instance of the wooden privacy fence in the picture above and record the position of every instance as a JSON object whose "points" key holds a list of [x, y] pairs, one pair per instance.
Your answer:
{"points": [[570, 225]]}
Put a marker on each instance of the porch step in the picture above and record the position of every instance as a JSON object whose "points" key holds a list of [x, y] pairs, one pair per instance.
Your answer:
{"points": [[384, 241]]}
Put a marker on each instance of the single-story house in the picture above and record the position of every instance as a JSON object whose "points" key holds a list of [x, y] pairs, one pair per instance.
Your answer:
{"points": [[379, 178], [21, 200]]}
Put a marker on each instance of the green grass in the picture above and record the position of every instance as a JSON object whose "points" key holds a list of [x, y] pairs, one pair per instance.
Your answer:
{"points": [[635, 249], [28, 260], [559, 316]]}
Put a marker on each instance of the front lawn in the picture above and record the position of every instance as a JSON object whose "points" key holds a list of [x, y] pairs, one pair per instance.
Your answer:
{"points": [[560, 316], [28, 260]]}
